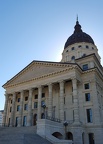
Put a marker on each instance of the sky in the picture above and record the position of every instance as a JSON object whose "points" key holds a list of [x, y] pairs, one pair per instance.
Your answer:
{"points": [[38, 29]]}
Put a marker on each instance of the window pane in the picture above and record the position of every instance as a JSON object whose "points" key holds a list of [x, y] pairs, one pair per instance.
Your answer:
{"points": [[86, 86], [87, 96], [89, 115], [85, 67]]}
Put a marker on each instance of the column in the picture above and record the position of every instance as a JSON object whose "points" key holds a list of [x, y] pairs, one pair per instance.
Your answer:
{"points": [[75, 98], [62, 100], [21, 109], [50, 101], [39, 101], [29, 117], [13, 110], [5, 109]]}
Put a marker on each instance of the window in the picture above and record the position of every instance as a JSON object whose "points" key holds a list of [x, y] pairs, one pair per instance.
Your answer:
{"points": [[86, 86], [64, 100], [10, 109], [89, 115], [67, 51], [18, 99], [18, 108], [36, 96], [42, 102], [43, 95], [35, 104], [73, 58], [26, 107], [85, 67], [26, 98], [91, 138], [24, 120], [87, 46], [92, 48], [72, 48], [16, 123], [87, 96], [79, 46], [84, 55], [11, 101]]}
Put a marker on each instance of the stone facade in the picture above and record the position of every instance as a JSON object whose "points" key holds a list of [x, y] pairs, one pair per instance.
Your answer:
{"points": [[1, 117], [68, 91]]}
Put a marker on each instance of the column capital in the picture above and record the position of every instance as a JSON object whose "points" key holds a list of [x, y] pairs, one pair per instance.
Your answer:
{"points": [[61, 81]]}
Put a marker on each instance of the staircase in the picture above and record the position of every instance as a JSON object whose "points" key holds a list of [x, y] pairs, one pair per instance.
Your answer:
{"points": [[20, 135]]}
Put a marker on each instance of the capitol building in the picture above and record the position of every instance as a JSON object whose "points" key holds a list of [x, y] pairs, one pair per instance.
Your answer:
{"points": [[64, 100]]}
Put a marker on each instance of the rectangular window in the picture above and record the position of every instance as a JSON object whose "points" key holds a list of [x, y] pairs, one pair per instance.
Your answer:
{"points": [[91, 138], [64, 115], [73, 115], [86, 86], [35, 104], [85, 67], [26, 98], [43, 95], [26, 107], [10, 109], [36, 96], [42, 102], [18, 99], [87, 96], [11, 101], [64, 100], [16, 123], [9, 122], [18, 107], [89, 115], [24, 120]]}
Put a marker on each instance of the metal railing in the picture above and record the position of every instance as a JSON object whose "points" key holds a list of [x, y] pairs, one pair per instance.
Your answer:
{"points": [[53, 119]]}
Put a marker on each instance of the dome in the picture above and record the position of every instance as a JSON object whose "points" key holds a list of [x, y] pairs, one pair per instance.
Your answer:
{"points": [[78, 36]]}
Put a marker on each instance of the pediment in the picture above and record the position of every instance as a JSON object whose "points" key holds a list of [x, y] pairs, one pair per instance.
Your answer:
{"points": [[37, 69]]}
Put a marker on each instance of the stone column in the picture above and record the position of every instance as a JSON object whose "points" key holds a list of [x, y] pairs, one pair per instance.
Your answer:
{"points": [[75, 99], [21, 109], [50, 101], [13, 110], [5, 109], [62, 100], [29, 117], [39, 101]]}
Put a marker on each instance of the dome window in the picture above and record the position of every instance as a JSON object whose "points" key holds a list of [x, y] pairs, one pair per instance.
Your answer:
{"points": [[79, 46], [84, 55], [73, 58], [87, 46], [73, 48]]}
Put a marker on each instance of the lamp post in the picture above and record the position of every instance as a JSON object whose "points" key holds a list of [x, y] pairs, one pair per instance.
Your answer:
{"points": [[65, 125], [44, 106]]}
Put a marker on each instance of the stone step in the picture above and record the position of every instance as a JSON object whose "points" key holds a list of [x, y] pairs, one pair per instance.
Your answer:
{"points": [[21, 135]]}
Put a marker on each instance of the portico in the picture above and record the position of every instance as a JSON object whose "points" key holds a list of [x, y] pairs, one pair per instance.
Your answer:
{"points": [[53, 93]]}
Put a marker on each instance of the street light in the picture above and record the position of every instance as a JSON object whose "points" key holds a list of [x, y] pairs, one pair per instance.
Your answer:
{"points": [[65, 124], [44, 106]]}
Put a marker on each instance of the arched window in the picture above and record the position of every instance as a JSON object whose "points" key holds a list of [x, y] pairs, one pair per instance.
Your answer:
{"points": [[73, 58], [69, 136], [57, 135]]}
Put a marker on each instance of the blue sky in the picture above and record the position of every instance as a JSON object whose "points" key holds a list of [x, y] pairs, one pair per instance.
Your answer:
{"points": [[38, 29]]}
